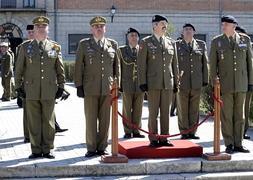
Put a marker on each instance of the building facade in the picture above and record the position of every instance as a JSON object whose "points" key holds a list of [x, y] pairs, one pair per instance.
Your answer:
{"points": [[70, 18]]}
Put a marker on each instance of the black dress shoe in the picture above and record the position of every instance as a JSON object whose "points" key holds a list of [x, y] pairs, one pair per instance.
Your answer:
{"points": [[35, 155], [6, 99], [166, 143], [246, 136], [172, 114], [193, 136], [138, 135], [90, 154], [241, 149], [229, 149], [154, 144], [49, 155], [60, 130], [100, 153], [184, 136], [127, 136], [26, 140]]}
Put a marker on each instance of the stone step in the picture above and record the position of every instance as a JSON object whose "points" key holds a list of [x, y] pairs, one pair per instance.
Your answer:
{"points": [[134, 167]]}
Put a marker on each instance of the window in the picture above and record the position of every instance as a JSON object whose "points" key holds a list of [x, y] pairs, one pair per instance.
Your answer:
{"points": [[251, 37], [74, 40], [29, 3], [8, 3], [200, 37]]}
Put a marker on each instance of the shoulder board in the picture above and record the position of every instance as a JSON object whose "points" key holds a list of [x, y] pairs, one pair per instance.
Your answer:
{"points": [[244, 35], [122, 47], [85, 39], [200, 41], [56, 46], [146, 38], [217, 37], [26, 42]]}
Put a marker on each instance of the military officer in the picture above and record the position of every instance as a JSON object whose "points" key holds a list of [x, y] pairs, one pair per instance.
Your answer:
{"points": [[131, 92], [158, 73], [240, 29], [192, 61], [6, 70], [20, 102], [96, 62], [40, 66], [231, 60]]}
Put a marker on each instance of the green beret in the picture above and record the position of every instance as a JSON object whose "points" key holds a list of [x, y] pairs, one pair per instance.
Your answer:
{"points": [[98, 20], [41, 20]]}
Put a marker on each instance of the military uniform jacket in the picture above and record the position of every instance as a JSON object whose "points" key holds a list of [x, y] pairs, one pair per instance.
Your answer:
{"points": [[193, 63], [157, 66], [95, 66], [42, 74], [129, 75], [6, 65], [232, 65]]}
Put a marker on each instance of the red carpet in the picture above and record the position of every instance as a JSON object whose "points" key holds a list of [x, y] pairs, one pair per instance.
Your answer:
{"points": [[141, 149]]}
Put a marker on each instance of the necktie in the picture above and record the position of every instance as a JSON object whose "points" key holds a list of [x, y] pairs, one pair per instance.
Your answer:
{"points": [[161, 42], [190, 46], [231, 41], [41, 48], [134, 50], [100, 44]]}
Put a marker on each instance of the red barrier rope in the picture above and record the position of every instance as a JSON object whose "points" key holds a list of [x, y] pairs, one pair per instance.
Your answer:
{"points": [[194, 127], [218, 100]]}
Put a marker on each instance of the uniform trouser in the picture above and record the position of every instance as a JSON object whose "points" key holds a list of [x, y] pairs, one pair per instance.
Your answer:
{"points": [[132, 110], [13, 92], [188, 109], [232, 118], [97, 114], [247, 110], [6, 83], [174, 103], [159, 100], [41, 124], [25, 121]]}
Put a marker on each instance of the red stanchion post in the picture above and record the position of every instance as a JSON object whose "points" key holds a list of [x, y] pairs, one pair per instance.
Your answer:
{"points": [[115, 157], [217, 155]]}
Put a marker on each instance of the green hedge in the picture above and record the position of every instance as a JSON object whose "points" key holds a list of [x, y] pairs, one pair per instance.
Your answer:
{"points": [[206, 101], [69, 67]]}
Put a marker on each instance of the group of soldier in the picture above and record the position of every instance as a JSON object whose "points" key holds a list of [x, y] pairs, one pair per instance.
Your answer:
{"points": [[156, 65], [161, 67]]}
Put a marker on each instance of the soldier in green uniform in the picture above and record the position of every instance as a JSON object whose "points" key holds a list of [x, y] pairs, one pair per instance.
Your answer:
{"points": [[192, 61], [158, 76], [20, 100], [96, 63], [231, 60], [6, 60], [40, 68], [131, 92], [240, 29]]}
